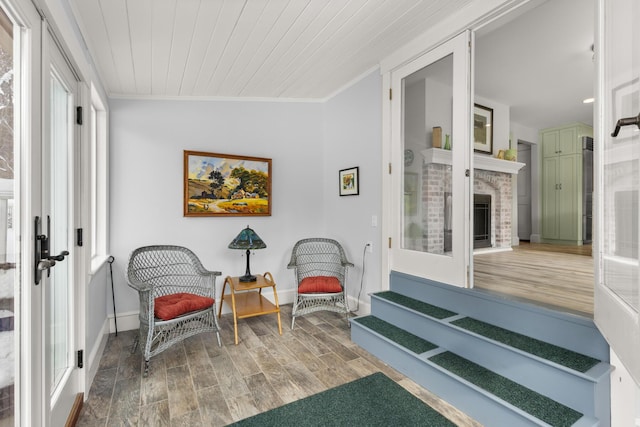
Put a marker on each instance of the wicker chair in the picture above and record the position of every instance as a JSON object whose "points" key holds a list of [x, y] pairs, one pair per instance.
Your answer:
{"points": [[320, 267], [177, 297]]}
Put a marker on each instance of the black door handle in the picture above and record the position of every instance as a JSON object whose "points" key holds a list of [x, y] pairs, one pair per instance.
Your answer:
{"points": [[42, 260], [629, 121], [59, 257]]}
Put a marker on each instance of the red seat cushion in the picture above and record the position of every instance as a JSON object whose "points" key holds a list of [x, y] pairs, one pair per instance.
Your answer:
{"points": [[169, 307], [319, 284]]}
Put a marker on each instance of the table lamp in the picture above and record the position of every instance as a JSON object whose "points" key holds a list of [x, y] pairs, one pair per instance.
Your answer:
{"points": [[247, 239]]}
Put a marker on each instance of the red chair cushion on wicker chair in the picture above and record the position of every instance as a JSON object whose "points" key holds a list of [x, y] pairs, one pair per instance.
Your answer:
{"points": [[169, 307], [319, 285]]}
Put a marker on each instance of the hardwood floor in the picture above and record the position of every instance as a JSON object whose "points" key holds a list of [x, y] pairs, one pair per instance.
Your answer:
{"points": [[560, 277], [198, 383]]}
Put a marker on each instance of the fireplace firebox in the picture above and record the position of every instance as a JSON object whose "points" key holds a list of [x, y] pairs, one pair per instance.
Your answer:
{"points": [[481, 221]]}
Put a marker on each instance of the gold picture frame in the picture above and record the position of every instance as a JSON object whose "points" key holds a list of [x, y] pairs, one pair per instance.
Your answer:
{"points": [[226, 185]]}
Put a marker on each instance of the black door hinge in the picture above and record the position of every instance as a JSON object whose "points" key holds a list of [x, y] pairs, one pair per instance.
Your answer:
{"points": [[79, 115], [79, 236], [80, 359]]}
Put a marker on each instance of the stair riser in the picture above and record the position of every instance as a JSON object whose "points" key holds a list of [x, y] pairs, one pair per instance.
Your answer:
{"points": [[565, 330], [574, 391], [468, 399]]}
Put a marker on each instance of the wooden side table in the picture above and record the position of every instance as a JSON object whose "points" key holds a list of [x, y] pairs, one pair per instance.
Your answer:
{"points": [[247, 299]]}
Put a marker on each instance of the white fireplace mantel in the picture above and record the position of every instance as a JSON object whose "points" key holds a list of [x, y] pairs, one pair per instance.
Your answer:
{"points": [[440, 156]]}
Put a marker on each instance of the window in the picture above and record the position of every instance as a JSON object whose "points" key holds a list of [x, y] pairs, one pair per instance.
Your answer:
{"points": [[99, 187]]}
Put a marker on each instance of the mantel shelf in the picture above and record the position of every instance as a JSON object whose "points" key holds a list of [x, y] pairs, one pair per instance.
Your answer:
{"points": [[443, 157]]}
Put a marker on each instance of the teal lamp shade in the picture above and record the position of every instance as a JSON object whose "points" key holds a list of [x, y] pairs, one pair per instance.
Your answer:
{"points": [[247, 240]]}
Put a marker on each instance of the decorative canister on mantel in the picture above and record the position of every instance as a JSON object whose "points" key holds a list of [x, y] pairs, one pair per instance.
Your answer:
{"points": [[511, 153], [436, 137], [447, 142]]}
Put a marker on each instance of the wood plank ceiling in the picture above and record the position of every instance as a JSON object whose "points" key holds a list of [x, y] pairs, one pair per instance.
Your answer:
{"points": [[305, 49]]}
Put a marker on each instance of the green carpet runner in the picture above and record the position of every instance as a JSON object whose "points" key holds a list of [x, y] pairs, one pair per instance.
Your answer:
{"points": [[414, 304], [559, 355], [528, 400], [374, 401], [395, 334]]}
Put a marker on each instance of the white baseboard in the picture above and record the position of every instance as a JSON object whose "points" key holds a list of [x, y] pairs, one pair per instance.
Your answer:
{"points": [[363, 309], [126, 321]]}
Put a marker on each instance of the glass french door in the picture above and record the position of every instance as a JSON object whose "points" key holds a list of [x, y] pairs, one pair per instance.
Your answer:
{"points": [[60, 380], [431, 157], [617, 291]]}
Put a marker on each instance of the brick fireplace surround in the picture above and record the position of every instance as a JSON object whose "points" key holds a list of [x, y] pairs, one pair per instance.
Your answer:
{"points": [[491, 177]]}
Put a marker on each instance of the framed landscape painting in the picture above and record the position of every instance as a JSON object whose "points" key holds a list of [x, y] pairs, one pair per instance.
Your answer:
{"points": [[226, 185]]}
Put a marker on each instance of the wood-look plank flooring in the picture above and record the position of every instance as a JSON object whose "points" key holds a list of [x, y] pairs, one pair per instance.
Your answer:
{"points": [[198, 383], [559, 277]]}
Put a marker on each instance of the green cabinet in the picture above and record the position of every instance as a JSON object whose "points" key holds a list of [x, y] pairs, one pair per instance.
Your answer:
{"points": [[562, 183]]}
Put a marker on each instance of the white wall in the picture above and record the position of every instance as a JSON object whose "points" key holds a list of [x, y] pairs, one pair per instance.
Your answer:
{"points": [[352, 137], [308, 143], [146, 181]]}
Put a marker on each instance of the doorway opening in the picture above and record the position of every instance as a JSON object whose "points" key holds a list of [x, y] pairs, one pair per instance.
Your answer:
{"points": [[517, 58]]}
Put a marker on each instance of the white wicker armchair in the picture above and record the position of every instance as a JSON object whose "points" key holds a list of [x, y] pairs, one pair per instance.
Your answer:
{"points": [[320, 267], [177, 297]]}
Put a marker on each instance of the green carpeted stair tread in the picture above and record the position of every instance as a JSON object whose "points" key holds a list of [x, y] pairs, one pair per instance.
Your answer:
{"points": [[414, 304], [395, 334], [375, 400], [533, 403], [559, 355]]}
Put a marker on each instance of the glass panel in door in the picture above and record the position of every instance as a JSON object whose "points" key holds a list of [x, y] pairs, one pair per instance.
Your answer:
{"points": [[58, 286], [428, 197], [617, 293], [430, 139]]}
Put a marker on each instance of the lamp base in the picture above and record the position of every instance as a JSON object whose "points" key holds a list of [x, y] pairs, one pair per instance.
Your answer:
{"points": [[247, 278]]}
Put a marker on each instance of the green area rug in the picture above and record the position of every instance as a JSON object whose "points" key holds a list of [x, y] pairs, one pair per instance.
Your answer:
{"points": [[395, 334], [414, 304], [541, 407], [559, 355], [375, 400]]}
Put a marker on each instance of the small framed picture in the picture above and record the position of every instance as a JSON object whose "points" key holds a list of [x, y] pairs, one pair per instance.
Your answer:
{"points": [[349, 182], [482, 129]]}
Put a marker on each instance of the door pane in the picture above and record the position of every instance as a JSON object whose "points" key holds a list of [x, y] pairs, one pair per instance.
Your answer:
{"points": [[427, 122], [8, 302], [59, 208], [621, 157]]}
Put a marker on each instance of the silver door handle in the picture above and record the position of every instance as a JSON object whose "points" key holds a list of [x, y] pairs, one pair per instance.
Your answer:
{"points": [[629, 121]]}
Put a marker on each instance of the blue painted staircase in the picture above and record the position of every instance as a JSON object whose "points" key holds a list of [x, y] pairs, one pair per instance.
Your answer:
{"points": [[430, 329]]}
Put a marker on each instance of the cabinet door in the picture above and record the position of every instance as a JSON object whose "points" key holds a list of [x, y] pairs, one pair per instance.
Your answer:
{"points": [[549, 192], [550, 144], [569, 218], [568, 141]]}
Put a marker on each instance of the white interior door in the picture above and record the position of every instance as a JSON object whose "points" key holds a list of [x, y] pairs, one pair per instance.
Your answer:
{"points": [[430, 118], [61, 382], [617, 292]]}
